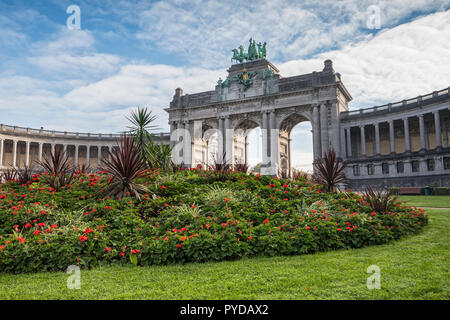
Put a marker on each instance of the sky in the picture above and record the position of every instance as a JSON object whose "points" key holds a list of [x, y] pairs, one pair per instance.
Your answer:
{"points": [[127, 54]]}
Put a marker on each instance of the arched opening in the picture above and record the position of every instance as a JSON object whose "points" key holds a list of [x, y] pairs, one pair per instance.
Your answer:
{"points": [[248, 145], [209, 146], [296, 145]]}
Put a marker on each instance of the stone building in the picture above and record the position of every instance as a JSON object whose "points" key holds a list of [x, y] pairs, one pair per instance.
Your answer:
{"points": [[397, 144], [25, 146]]}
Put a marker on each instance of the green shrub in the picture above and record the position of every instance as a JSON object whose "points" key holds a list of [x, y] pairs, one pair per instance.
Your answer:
{"points": [[187, 216]]}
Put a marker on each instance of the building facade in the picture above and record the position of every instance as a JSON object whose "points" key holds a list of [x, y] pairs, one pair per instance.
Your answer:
{"points": [[26, 146], [398, 144]]}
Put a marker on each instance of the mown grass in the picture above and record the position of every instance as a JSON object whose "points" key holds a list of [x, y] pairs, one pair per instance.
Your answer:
{"points": [[427, 201], [416, 267]]}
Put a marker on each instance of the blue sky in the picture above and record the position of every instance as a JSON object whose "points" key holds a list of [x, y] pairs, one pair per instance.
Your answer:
{"points": [[131, 53]]}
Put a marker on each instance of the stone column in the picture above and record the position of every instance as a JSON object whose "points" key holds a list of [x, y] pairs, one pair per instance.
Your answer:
{"points": [[229, 141], [221, 139], [2, 144], [27, 153], [66, 155], [437, 126], [407, 139], [377, 138], [391, 136], [349, 142], [75, 158], [53, 148], [363, 140], [187, 144], [14, 155], [88, 155], [110, 151], [265, 139], [422, 132], [99, 157], [316, 132], [41, 144], [324, 128], [445, 136], [274, 143], [343, 143], [335, 125]]}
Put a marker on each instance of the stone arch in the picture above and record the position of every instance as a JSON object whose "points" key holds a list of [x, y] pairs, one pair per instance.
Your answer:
{"points": [[285, 125], [242, 129]]}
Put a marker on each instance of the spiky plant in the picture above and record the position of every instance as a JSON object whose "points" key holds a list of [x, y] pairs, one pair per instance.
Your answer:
{"points": [[158, 156], [141, 125], [241, 167], [379, 200], [329, 171], [82, 168], [58, 172], [8, 174], [221, 163], [25, 174], [124, 164]]}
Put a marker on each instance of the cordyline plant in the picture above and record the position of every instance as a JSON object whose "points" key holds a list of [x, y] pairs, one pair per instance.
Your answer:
{"points": [[329, 171], [379, 200], [124, 164], [241, 167], [58, 172], [24, 174], [8, 174]]}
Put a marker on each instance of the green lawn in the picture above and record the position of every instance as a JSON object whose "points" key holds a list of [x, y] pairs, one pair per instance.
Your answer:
{"points": [[427, 201], [416, 267]]}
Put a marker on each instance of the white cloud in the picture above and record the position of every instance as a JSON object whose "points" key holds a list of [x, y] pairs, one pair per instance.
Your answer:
{"points": [[399, 63], [205, 32]]}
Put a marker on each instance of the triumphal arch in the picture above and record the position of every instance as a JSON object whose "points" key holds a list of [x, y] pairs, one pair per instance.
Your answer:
{"points": [[255, 94]]}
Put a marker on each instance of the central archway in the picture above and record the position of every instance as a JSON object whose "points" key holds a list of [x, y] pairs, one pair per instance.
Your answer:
{"points": [[295, 133], [245, 140]]}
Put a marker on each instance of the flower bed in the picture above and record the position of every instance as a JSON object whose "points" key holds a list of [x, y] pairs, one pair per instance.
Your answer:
{"points": [[187, 216]]}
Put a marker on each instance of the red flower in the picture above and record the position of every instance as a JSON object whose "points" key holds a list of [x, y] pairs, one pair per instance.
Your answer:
{"points": [[88, 230], [82, 238], [163, 187], [37, 232], [226, 199], [266, 221], [308, 227], [108, 207], [250, 237], [1, 247], [108, 249], [179, 246], [28, 225], [122, 254]]}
